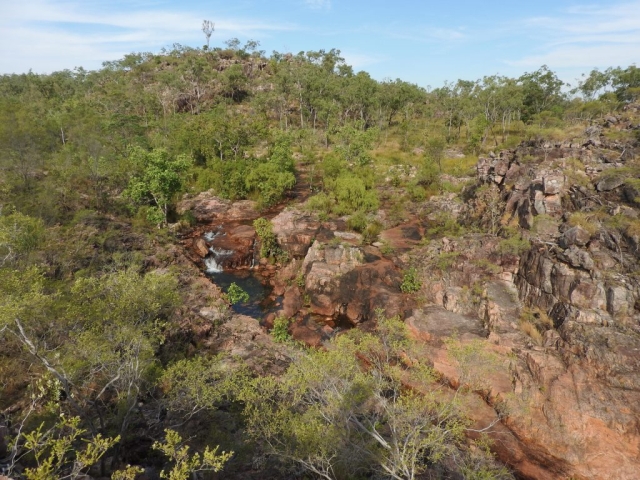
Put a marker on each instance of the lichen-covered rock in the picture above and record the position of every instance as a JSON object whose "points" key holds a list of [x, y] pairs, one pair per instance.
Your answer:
{"points": [[609, 183], [574, 236], [295, 230]]}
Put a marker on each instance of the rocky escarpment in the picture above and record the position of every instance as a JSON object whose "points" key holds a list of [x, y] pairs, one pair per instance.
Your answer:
{"points": [[565, 311]]}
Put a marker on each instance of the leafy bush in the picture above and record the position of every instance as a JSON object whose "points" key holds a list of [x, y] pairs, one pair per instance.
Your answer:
{"points": [[386, 248], [269, 247], [19, 235], [280, 330], [267, 180], [236, 294], [159, 179], [514, 245], [358, 222], [487, 266], [320, 204], [417, 193], [445, 225], [372, 231], [352, 195], [410, 281], [352, 397], [445, 260]]}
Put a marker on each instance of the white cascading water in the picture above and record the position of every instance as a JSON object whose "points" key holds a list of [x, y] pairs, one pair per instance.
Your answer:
{"points": [[219, 252], [212, 265], [212, 262]]}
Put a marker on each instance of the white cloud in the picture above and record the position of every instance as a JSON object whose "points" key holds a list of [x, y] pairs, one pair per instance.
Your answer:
{"points": [[359, 60], [585, 37], [46, 35]]}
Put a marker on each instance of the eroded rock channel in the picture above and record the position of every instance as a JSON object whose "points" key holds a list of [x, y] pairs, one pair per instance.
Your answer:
{"points": [[331, 282]]}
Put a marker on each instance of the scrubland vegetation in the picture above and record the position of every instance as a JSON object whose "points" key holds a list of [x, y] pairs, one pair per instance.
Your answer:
{"points": [[93, 163]]}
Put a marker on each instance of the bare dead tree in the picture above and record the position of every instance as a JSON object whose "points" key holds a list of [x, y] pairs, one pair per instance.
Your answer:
{"points": [[208, 27]]}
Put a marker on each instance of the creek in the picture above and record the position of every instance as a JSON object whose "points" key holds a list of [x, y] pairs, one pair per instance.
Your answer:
{"points": [[260, 299]]}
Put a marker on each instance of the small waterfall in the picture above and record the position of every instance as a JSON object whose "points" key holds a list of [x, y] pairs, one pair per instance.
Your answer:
{"points": [[213, 262], [220, 252], [210, 236], [212, 265], [253, 254]]}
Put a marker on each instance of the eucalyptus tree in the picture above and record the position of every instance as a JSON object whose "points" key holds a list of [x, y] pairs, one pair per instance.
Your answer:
{"points": [[159, 178], [541, 90]]}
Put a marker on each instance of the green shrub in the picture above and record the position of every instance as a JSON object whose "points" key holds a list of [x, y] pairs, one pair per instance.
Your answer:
{"points": [[19, 235], [269, 247], [352, 195], [386, 248], [417, 193], [410, 281], [320, 204], [445, 225], [487, 266], [189, 218], [372, 231], [358, 222], [280, 330], [236, 294], [515, 245], [445, 260]]}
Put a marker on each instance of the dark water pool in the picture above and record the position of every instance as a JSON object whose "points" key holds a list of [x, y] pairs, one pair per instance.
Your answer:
{"points": [[259, 294]]}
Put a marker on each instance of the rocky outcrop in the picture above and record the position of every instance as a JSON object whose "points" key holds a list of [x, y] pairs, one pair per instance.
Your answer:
{"points": [[211, 210], [343, 280], [295, 230], [574, 377]]}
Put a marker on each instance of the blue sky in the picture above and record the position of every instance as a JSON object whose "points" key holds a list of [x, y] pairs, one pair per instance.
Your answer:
{"points": [[425, 42]]}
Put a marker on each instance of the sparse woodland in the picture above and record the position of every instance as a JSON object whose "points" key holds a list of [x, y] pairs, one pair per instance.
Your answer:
{"points": [[101, 372]]}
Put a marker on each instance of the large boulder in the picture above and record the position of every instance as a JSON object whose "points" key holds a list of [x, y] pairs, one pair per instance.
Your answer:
{"points": [[295, 230], [350, 282]]}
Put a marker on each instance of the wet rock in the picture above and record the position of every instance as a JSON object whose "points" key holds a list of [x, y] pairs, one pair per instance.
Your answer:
{"points": [[234, 248]]}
